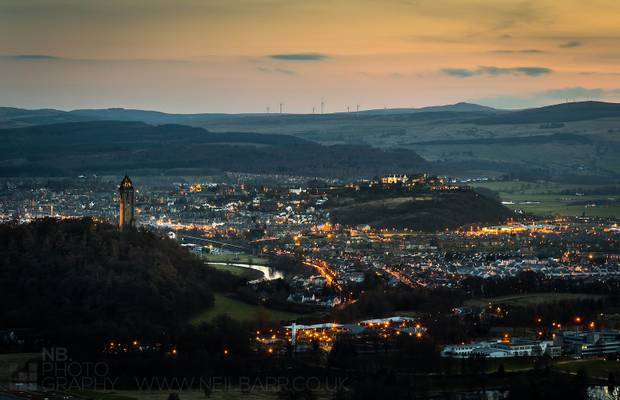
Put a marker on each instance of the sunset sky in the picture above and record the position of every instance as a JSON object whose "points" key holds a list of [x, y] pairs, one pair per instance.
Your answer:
{"points": [[245, 55]]}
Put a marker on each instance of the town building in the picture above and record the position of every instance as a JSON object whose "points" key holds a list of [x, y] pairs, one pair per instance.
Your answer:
{"points": [[513, 347], [590, 343]]}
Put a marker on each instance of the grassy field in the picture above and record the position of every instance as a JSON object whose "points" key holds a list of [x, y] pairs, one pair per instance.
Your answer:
{"points": [[510, 364], [558, 207], [247, 273], [530, 299], [554, 198], [238, 258], [241, 311], [599, 369]]}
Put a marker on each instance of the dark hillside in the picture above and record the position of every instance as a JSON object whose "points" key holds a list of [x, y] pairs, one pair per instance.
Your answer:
{"points": [[430, 211], [562, 138], [108, 147], [84, 279]]}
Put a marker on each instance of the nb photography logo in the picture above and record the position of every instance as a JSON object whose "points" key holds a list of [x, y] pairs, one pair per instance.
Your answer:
{"points": [[59, 372]]}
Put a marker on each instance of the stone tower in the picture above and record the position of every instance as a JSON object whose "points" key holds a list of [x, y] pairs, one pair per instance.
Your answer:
{"points": [[127, 204]]}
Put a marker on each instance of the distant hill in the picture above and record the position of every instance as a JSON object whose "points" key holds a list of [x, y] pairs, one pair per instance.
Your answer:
{"points": [[17, 117], [577, 111], [104, 147], [425, 211], [127, 133], [150, 117], [11, 117], [458, 107]]}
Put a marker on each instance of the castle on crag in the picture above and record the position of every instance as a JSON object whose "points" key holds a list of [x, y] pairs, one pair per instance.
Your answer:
{"points": [[126, 215]]}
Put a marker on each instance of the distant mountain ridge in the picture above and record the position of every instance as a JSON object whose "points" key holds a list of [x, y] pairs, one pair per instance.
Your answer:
{"points": [[458, 107], [11, 117], [566, 112], [151, 117]]}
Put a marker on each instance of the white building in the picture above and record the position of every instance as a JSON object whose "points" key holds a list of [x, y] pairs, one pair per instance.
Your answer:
{"points": [[515, 347]]}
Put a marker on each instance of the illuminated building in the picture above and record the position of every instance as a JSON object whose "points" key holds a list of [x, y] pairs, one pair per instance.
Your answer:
{"points": [[391, 179], [126, 213]]}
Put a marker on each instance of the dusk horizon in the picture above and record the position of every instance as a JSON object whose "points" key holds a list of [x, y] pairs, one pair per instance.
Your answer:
{"points": [[245, 56]]}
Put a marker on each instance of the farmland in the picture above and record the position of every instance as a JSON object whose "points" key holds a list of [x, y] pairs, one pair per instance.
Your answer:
{"points": [[241, 311], [549, 198]]}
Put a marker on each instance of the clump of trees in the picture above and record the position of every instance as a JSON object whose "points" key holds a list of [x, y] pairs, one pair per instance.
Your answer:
{"points": [[535, 282], [382, 301], [396, 209]]}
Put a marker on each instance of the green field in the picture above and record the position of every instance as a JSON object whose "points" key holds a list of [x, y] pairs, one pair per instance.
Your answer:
{"points": [[238, 258], [599, 369], [530, 299], [247, 273], [513, 364], [595, 368], [548, 198], [241, 311]]}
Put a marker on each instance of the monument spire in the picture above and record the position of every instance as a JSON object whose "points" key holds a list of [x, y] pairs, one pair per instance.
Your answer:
{"points": [[126, 215]]}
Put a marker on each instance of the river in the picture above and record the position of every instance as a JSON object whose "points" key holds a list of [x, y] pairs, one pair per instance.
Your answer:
{"points": [[269, 273]]}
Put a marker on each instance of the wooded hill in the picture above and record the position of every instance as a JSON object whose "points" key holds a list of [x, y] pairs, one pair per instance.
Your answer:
{"points": [[81, 280]]}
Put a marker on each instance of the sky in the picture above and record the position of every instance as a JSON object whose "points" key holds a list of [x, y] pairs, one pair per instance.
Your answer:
{"points": [[190, 56]]}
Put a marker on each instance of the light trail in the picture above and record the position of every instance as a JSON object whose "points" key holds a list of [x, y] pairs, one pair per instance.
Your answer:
{"points": [[330, 276], [400, 277]]}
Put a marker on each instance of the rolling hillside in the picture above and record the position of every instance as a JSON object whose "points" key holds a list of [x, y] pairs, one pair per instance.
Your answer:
{"points": [[570, 142], [105, 147]]}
